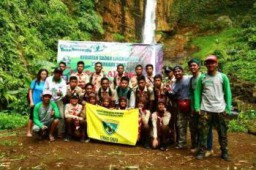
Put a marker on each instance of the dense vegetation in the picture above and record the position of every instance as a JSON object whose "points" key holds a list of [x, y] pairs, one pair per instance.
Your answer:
{"points": [[226, 28], [29, 31]]}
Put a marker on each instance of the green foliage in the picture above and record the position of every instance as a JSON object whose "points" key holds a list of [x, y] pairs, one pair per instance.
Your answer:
{"points": [[243, 120], [118, 37], [29, 32], [12, 121], [205, 13]]}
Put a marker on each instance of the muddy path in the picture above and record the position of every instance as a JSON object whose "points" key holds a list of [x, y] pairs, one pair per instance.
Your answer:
{"points": [[20, 152]]}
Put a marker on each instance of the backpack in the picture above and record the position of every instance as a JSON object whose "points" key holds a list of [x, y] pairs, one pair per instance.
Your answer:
{"points": [[28, 99]]}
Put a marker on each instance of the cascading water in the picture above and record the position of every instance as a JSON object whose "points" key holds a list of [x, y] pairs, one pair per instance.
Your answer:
{"points": [[149, 23]]}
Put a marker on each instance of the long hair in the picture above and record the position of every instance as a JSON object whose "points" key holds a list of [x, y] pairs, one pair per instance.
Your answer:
{"points": [[38, 79]]}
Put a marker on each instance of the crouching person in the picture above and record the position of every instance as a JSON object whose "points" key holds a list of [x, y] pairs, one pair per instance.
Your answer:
{"points": [[144, 128], [75, 123], [46, 116], [160, 122]]}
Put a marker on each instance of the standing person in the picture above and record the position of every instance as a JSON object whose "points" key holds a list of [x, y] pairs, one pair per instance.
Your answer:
{"points": [[96, 77], [124, 91], [143, 91], [159, 91], [194, 67], [134, 81], [35, 92], [63, 66], [72, 88], [160, 122], [171, 105], [180, 94], [118, 77], [46, 116], [74, 119], [89, 89], [81, 76], [58, 87], [213, 102], [149, 76], [105, 91]]}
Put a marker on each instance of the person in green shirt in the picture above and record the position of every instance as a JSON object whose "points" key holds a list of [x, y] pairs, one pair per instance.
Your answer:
{"points": [[212, 102], [46, 116]]}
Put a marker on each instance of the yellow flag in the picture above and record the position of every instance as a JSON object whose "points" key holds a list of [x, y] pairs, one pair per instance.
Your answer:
{"points": [[116, 126]]}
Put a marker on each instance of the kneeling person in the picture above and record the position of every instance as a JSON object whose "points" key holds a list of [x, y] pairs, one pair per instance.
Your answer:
{"points": [[75, 123], [46, 116], [160, 122]]}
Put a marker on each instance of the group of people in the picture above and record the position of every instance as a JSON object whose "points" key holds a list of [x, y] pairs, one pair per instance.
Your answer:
{"points": [[168, 103]]}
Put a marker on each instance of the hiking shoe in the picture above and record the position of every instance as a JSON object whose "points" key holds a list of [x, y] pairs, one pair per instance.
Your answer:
{"points": [[147, 145], [200, 156], [87, 140], [194, 150], [163, 147], [67, 139], [225, 156], [208, 153], [179, 147], [51, 137]]}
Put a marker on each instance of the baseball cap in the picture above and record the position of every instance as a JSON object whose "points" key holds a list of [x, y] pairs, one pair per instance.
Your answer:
{"points": [[57, 70], [194, 60], [211, 58], [47, 92], [167, 69], [74, 96]]}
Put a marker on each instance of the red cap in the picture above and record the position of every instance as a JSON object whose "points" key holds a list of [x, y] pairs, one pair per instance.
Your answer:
{"points": [[211, 58]]}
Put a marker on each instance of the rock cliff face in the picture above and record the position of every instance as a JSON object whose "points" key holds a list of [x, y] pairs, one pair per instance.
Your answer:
{"points": [[125, 18], [123, 21]]}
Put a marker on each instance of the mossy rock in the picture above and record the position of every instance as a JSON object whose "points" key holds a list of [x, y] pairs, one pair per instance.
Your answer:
{"points": [[252, 127]]}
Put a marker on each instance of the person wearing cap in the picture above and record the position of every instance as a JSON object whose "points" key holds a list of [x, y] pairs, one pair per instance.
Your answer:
{"points": [[123, 90], [82, 77], [213, 103], [194, 67], [46, 116], [144, 128], [72, 88], [58, 87], [160, 122], [169, 80], [180, 95], [75, 121]]}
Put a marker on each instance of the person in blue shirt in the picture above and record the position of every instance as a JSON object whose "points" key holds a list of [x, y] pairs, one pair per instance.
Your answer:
{"points": [[35, 92]]}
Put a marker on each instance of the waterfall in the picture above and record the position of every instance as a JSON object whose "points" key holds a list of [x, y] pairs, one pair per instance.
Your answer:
{"points": [[149, 23]]}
